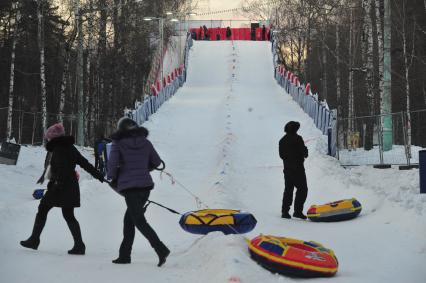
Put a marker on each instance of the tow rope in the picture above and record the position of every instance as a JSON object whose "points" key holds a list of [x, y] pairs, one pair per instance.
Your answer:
{"points": [[160, 205]]}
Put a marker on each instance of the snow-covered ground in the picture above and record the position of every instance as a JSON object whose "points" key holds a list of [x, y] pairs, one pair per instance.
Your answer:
{"points": [[219, 138]]}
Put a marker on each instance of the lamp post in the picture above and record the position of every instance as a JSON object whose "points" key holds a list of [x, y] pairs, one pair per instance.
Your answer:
{"points": [[189, 18]]}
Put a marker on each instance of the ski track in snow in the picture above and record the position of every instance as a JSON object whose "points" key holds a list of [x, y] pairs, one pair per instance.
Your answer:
{"points": [[219, 138]]}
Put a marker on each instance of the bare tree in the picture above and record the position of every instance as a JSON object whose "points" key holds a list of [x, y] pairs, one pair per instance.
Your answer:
{"points": [[367, 53], [12, 74], [408, 62]]}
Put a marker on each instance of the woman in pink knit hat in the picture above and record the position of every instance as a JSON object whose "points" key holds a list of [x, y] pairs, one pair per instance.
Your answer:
{"points": [[62, 190]]}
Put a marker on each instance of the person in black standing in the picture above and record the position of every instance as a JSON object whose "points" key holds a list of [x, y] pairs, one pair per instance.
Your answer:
{"points": [[263, 32], [228, 33], [293, 152], [206, 33], [62, 190]]}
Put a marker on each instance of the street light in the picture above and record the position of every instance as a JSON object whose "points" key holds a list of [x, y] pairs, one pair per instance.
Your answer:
{"points": [[189, 15]]}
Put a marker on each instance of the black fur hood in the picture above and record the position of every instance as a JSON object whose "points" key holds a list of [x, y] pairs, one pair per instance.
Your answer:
{"points": [[60, 141]]}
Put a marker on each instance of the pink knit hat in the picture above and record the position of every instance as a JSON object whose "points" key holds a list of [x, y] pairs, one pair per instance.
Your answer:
{"points": [[54, 131]]}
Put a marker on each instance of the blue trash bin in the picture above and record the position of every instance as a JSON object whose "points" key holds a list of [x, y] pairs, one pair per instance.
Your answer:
{"points": [[422, 171]]}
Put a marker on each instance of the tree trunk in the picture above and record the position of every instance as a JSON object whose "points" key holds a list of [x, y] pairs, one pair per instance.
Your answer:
{"points": [[324, 69], [407, 64], [308, 52], [80, 67], [367, 53], [338, 85], [350, 82], [40, 40], [101, 93], [12, 75], [65, 73], [379, 46], [63, 87], [89, 94]]}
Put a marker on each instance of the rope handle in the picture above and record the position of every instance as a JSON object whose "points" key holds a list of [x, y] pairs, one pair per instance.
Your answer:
{"points": [[161, 169], [160, 205]]}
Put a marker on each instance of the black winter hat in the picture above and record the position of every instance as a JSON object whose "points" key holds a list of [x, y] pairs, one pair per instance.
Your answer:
{"points": [[292, 127], [126, 124]]}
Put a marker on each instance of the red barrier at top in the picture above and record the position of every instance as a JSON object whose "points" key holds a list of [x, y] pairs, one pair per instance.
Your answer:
{"points": [[236, 34]]}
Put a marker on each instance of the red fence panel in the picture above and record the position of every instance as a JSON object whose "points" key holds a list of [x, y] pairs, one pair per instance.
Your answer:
{"points": [[236, 33]]}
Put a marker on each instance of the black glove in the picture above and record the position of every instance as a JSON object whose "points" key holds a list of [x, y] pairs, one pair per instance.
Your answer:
{"points": [[113, 184], [99, 176]]}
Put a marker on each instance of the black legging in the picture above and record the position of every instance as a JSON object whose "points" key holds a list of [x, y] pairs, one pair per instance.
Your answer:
{"points": [[67, 213], [135, 217], [294, 179]]}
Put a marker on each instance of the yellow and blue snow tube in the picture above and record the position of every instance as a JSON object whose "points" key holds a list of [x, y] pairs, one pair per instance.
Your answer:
{"points": [[227, 221], [293, 257], [335, 211]]}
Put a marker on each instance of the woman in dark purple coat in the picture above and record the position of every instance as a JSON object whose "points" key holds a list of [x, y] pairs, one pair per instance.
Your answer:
{"points": [[131, 159]]}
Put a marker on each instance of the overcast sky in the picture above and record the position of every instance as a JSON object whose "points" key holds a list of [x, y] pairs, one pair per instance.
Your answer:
{"points": [[218, 5]]}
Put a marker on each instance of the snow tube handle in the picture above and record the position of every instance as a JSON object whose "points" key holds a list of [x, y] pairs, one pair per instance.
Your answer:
{"points": [[161, 169]]}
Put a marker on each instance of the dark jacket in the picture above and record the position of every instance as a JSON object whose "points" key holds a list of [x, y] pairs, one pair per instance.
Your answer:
{"points": [[131, 159], [292, 149], [206, 32], [63, 189], [228, 33], [98, 154]]}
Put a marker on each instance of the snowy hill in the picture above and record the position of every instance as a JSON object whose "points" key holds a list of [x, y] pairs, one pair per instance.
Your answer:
{"points": [[219, 138]]}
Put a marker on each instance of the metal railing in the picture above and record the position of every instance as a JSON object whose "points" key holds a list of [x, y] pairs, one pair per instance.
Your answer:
{"points": [[360, 139]]}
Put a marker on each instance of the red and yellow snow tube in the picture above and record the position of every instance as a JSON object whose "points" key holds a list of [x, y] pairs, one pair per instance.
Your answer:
{"points": [[293, 257], [335, 211]]}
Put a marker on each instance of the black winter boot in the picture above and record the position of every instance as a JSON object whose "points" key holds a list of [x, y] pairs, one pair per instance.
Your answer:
{"points": [[34, 240], [299, 215], [31, 243], [285, 215], [79, 247], [122, 260], [163, 252]]}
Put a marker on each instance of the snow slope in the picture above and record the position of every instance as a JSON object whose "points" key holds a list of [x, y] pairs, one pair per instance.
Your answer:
{"points": [[219, 137]]}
